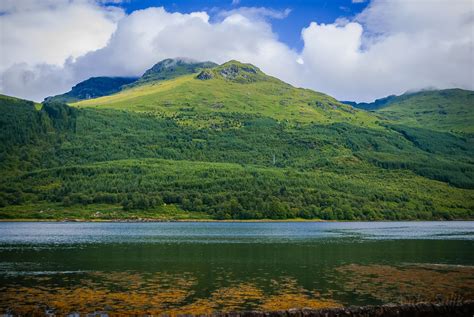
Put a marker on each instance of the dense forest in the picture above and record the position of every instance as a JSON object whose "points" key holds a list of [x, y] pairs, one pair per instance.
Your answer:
{"points": [[236, 145]]}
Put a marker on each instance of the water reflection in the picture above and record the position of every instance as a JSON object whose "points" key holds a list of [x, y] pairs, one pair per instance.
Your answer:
{"points": [[212, 232], [202, 268]]}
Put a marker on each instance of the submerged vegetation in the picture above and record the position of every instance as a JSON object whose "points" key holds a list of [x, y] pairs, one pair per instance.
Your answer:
{"points": [[150, 293], [232, 143]]}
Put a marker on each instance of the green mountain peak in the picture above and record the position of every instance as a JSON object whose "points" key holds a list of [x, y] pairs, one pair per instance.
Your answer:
{"points": [[234, 71], [171, 68], [95, 87]]}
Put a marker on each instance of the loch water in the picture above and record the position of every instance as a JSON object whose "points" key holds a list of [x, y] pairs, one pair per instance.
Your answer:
{"points": [[203, 267]]}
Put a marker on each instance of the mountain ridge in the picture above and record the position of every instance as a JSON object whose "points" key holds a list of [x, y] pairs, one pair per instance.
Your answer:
{"points": [[93, 87], [171, 68], [230, 87], [444, 110], [237, 145]]}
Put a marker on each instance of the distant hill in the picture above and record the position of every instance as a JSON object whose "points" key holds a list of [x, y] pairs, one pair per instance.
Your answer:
{"points": [[92, 88], [377, 104], [230, 142], [442, 110]]}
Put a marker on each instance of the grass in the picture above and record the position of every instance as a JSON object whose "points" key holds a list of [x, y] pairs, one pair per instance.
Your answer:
{"points": [[95, 212], [188, 98]]}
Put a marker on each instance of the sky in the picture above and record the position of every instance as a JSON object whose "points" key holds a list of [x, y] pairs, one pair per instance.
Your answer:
{"points": [[288, 30], [356, 50]]}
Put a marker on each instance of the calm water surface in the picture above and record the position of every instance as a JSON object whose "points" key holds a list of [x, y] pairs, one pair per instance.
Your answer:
{"points": [[206, 267]]}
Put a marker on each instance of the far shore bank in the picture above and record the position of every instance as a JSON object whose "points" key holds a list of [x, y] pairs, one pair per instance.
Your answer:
{"points": [[150, 220], [165, 220]]}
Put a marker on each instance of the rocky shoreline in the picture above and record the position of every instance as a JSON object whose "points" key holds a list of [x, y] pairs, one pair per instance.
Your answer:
{"points": [[423, 309], [447, 309]]}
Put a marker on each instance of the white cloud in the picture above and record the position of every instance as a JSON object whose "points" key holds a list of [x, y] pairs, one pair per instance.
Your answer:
{"points": [[391, 47], [148, 36], [256, 13], [157, 34], [52, 31], [35, 82]]}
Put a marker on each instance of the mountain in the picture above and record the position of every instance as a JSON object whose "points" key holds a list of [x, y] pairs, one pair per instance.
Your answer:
{"points": [[200, 99], [92, 88], [171, 68], [442, 110], [102, 86], [227, 142]]}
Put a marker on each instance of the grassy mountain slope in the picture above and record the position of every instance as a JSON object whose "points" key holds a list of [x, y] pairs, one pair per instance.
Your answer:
{"points": [[103, 86], [92, 88], [227, 143], [201, 102], [442, 110]]}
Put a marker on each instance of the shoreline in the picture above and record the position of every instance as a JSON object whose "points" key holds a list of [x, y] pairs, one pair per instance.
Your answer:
{"points": [[151, 220], [453, 308], [448, 308], [125, 220]]}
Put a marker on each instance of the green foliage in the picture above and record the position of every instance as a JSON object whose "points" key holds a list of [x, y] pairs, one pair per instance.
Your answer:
{"points": [[238, 145], [19, 122], [140, 201], [442, 110], [233, 191], [51, 211]]}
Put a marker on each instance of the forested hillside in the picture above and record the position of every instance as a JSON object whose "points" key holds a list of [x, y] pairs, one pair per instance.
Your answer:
{"points": [[441, 110], [230, 142]]}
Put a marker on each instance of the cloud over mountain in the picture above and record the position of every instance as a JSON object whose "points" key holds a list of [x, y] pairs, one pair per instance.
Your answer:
{"points": [[389, 48]]}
